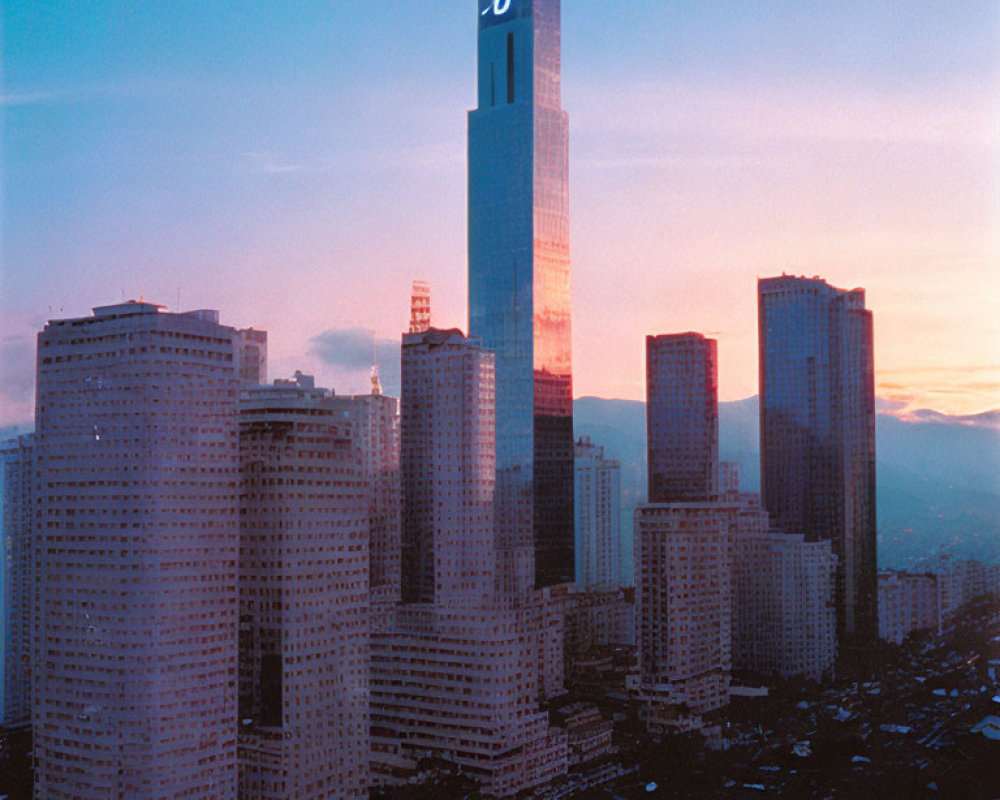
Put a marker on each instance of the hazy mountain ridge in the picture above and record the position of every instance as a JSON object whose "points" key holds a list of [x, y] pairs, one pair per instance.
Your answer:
{"points": [[938, 476]]}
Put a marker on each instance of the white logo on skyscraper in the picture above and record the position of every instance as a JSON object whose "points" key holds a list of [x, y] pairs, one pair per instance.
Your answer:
{"points": [[499, 7]]}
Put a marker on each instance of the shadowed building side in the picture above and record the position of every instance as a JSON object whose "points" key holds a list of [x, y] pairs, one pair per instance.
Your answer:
{"points": [[817, 433]]}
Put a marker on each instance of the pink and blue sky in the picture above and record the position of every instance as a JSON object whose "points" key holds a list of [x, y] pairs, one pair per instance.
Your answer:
{"points": [[296, 165]]}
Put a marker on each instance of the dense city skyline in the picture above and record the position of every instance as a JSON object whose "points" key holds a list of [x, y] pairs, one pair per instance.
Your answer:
{"points": [[218, 588], [203, 149]]}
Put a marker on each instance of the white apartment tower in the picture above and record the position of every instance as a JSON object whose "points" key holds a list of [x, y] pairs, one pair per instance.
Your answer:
{"points": [[784, 620], [303, 599], [138, 531], [683, 597], [597, 489]]}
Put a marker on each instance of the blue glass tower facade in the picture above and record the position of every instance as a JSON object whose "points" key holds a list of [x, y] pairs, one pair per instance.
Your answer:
{"points": [[519, 291], [817, 433]]}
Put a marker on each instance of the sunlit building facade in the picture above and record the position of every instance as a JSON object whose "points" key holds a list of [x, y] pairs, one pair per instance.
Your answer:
{"points": [[817, 434], [138, 530], [519, 283], [303, 599]]}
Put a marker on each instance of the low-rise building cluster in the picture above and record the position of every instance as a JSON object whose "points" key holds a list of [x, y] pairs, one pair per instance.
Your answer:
{"points": [[912, 601]]}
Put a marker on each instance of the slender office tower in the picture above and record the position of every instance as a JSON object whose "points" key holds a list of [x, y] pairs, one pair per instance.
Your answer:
{"points": [[138, 534], [519, 292], [817, 433], [682, 418]]}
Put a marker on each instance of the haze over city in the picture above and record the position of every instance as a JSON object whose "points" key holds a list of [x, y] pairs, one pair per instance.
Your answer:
{"points": [[297, 168]]}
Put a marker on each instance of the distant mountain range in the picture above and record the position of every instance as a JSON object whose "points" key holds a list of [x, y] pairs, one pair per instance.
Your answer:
{"points": [[938, 476]]}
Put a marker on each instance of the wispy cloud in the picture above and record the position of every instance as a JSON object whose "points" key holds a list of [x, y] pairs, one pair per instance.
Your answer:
{"points": [[270, 163], [28, 98], [352, 350]]}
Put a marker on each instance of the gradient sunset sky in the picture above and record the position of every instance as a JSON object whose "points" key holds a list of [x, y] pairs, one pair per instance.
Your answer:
{"points": [[296, 165]]}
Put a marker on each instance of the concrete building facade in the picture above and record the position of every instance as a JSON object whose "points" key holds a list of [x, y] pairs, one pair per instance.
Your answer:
{"points": [[374, 425], [683, 608], [597, 518], [138, 528], [784, 621], [303, 599], [458, 677], [17, 578], [907, 602]]}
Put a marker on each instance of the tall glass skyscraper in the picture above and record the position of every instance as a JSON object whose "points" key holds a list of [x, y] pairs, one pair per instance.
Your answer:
{"points": [[519, 293], [817, 433]]}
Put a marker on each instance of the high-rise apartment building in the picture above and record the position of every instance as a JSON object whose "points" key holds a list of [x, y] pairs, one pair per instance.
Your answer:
{"points": [[303, 599], [17, 577], [374, 426], [683, 608], [138, 531], [519, 288], [597, 518], [682, 418], [448, 470], [684, 540], [457, 676], [817, 433]]}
